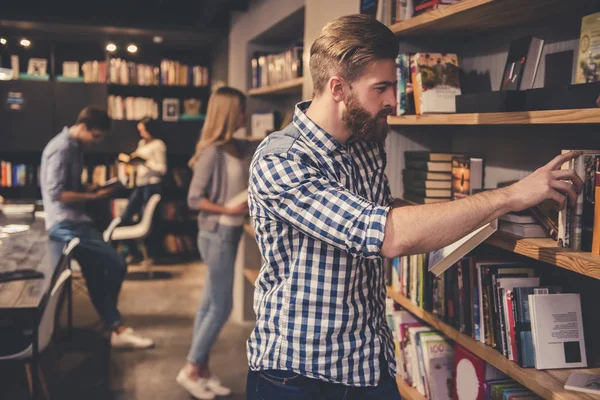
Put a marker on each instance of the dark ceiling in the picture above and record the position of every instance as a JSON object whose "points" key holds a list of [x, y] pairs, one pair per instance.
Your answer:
{"points": [[203, 19]]}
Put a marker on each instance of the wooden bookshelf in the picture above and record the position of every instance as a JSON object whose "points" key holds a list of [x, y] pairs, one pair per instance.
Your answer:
{"points": [[251, 275], [408, 392], [469, 16], [290, 87], [576, 116], [547, 251], [547, 384]]}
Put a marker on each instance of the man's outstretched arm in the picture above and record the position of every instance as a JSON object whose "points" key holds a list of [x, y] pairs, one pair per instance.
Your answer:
{"points": [[420, 229]]}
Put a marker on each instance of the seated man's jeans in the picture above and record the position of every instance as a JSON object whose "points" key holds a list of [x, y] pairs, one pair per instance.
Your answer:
{"points": [[102, 267]]}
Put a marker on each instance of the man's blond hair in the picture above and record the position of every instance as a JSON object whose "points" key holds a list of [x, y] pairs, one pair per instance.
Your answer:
{"points": [[346, 46]]}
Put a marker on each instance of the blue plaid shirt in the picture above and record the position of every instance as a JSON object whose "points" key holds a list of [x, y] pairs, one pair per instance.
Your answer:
{"points": [[319, 209]]}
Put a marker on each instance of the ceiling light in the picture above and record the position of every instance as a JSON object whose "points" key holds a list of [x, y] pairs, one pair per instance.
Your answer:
{"points": [[132, 48], [25, 42], [157, 39], [2, 41], [111, 47]]}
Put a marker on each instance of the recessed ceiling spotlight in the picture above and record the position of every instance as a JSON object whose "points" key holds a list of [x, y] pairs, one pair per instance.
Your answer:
{"points": [[25, 42], [111, 47], [157, 39], [2, 41], [132, 48]]}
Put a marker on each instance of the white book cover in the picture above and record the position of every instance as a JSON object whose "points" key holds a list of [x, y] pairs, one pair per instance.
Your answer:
{"points": [[583, 382], [412, 358], [557, 331], [442, 259], [438, 362]]}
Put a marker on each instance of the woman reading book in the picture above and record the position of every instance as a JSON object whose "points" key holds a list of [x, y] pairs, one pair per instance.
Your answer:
{"points": [[150, 162], [219, 191]]}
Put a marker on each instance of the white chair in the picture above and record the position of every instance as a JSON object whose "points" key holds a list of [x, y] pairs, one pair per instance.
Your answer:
{"points": [[137, 232], [46, 326]]}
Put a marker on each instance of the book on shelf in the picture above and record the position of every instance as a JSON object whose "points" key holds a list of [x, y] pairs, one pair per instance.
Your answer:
{"points": [[444, 258], [428, 193], [571, 220], [430, 166], [262, 124], [422, 185], [429, 156], [273, 69], [522, 63], [404, 89], [557, 331], [418, 175], [523, 338], [131, 108], [517, 218], [70, 69], [435, 78], [588, 64], [94, 71], [583, 382], [467, 176], [471, 374], [125, 72], [531, 230], [596, 217]]}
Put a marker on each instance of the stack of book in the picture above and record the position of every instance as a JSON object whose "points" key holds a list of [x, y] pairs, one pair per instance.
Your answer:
{"points": [[12, 175], [427, 177], [522, 225]]}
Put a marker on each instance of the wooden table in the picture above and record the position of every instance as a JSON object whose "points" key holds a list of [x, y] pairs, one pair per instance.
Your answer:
{"points": [[22, 302]]}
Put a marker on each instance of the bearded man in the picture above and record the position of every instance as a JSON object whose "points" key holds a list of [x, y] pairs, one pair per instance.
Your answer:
{"points": [[324, 220]]}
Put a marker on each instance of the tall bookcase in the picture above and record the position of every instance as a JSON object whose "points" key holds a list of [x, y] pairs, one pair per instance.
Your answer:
{"points": [[512, 145], [52, 103]]}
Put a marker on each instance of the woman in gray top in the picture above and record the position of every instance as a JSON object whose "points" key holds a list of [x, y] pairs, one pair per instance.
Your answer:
{"points": [[219, 191]]}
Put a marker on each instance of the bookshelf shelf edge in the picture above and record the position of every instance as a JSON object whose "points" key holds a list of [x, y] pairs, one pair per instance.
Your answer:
{"points": [[547, 384]]}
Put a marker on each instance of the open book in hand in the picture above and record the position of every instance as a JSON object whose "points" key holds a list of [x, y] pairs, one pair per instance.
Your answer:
{"points": [[127, 159], [109, 184], [442, 259]]}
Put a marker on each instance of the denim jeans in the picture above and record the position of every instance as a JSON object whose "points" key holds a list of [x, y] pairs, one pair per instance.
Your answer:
{"points": [[218, 250], [280, 384], [137, 201], [103, 269]]}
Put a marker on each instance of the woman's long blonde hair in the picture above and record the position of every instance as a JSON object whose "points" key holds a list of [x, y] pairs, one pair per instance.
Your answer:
{"points": [[222, 116]]}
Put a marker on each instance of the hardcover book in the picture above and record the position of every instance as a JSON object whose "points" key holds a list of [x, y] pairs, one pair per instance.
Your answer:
{"points": [[588, 61], [435, 82], [522, 63]]}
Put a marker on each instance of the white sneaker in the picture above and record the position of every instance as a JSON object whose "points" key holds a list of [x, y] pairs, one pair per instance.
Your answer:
{"points": [[214, 384], [199, 389], [129, 340]]}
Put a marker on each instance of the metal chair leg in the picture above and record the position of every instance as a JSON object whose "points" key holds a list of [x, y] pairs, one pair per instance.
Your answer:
{"points": [[70, 308], [45, 392], [29, 378]]}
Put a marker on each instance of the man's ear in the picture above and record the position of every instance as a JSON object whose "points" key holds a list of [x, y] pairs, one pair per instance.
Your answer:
{"points": [[336, 87]]}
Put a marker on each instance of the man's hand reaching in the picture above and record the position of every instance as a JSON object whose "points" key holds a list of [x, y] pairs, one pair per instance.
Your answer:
{"points": [[547, 182]]}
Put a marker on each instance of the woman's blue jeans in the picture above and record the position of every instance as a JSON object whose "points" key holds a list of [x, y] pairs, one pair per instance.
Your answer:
{"points": [[218, 250]]}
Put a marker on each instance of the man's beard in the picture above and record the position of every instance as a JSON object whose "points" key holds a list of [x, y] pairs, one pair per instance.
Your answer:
{"points": [[362, 125]]}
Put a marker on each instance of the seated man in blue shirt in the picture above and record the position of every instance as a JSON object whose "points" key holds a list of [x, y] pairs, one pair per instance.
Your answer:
{"points": [[324, 219], [64, 199]]}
